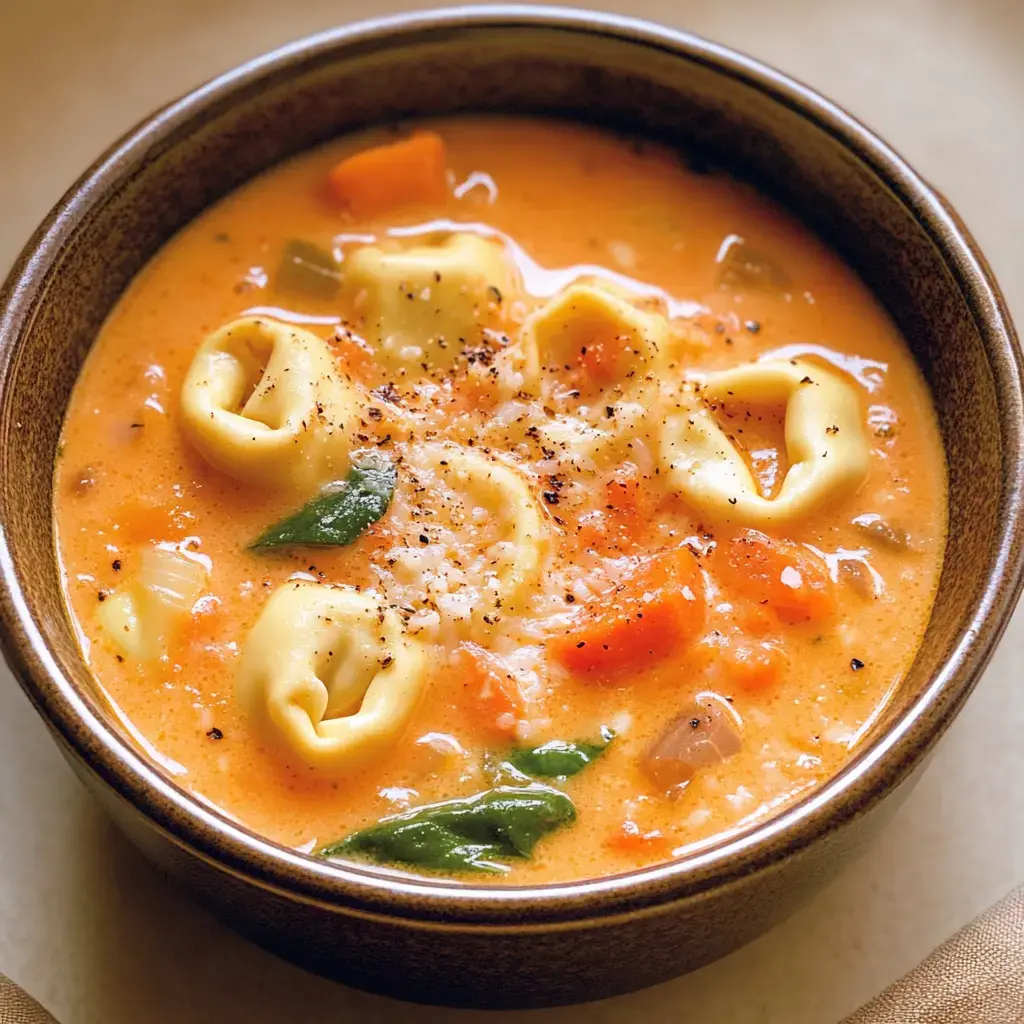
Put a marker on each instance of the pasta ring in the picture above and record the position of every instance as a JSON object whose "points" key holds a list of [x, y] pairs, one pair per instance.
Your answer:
{"points": [[562, 331], [264, 403], [429, 304], [331, 671], [507, 496], [825, 442]]}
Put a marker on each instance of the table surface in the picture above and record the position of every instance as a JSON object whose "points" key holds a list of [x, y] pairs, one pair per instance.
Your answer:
{"points": [[98, 935]]}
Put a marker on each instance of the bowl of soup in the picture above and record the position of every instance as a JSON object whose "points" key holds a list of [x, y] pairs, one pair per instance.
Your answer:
{"points": [[499, 502]]}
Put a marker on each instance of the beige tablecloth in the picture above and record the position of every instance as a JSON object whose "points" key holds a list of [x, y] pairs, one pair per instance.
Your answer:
{"points": [[976, 977], [18, 1008]]}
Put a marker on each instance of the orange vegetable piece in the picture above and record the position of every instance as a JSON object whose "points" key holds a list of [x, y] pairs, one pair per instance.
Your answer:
{"points": [[493, 693], [632, 839], [620, 524], [780, 574], [356, 361], [396, 174], [147, 519], [754, 666], [657, 608]]}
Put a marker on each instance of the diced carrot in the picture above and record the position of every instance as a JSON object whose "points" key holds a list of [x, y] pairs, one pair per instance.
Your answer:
{"points": [[621, 523], [493, 693], [754, 666], [753, 618], [207, 631], [632, 839], [779, 574], [149, 519], [656, 608], [397, 174]]}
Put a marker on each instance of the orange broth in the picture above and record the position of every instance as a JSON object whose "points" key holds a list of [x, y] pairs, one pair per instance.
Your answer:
{"points": [[567, 196]]}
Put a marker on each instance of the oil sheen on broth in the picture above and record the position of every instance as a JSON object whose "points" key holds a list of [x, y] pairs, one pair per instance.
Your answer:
{"points": [[502, 462]]}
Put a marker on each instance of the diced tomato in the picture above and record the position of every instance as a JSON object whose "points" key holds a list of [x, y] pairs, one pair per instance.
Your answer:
{"points": [[493, 694], [778, 574], [397, 174], [657, 608]]}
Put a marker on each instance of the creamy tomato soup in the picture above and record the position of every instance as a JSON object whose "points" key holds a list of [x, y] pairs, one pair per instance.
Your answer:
{"points": [[500, 498]]}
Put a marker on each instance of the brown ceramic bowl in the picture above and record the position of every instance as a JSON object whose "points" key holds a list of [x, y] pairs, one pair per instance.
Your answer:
{"points": [[437, 940]]}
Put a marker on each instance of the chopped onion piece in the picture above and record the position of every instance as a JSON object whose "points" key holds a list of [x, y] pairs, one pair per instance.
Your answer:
{"points": [[700, 737], [143, 618]]}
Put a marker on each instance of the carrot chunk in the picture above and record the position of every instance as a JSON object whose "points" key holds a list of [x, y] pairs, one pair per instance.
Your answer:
{"points": [[754, 666], [399, 173], [631, 839], [494, 697], [657, 608], [621, 523], [779, 574]]}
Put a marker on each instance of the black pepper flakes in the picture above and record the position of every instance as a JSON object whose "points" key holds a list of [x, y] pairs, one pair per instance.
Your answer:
{"points": [[856, 664], [116, 565], [215, 733]]}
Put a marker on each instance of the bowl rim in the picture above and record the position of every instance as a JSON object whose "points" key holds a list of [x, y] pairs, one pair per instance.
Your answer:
{"points": [[439, 903]]}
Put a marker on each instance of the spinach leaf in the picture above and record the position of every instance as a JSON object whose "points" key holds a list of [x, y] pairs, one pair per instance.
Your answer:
{"points": [[559, 758], [467, 834], [340, 513], [308, 269]]}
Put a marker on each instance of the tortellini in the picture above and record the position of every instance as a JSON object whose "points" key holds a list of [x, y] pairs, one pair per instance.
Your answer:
{"points": [[825, 443], [514, 562], [332, 673], [429, 304], [594, 328], [264, 403]]}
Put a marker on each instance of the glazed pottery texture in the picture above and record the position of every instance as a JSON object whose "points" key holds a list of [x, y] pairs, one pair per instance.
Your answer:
{"points": [[437, 940]]}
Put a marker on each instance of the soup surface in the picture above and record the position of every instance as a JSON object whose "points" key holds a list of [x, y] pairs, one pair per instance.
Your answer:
{"points": [[628, 503]]}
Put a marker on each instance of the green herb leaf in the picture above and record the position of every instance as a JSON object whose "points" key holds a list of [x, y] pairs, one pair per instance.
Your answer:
{"points": [[308, 269], [559, 758], [467, 834], [340, 513]]}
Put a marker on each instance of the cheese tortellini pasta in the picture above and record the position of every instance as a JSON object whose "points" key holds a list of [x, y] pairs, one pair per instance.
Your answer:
{"points": [[825, 443], [264, 403], [595, 329], [331, 673], [427, 305], [490, 497]]}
